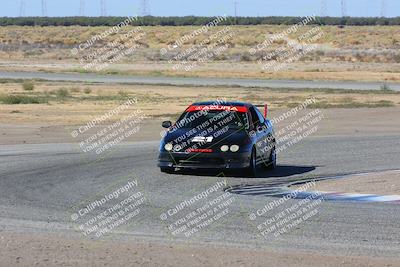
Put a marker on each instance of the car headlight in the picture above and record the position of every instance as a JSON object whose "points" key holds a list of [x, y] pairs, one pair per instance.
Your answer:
{"points": [[234, 148], [168, 147], [224, 148]]}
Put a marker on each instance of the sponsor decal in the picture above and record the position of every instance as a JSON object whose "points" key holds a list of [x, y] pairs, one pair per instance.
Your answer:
{"points": [[216, 107], [202, 139], [199, 150]]}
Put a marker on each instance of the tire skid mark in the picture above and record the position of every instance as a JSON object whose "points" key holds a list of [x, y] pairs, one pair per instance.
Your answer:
{"points": [[282, 189]]}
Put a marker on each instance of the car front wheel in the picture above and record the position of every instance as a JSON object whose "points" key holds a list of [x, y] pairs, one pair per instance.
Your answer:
{"points": [[252, 169], [272, 160], [167, 170]]}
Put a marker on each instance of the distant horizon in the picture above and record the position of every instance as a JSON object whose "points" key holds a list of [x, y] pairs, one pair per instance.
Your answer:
{"points": [[203, 8], [110, 16]]}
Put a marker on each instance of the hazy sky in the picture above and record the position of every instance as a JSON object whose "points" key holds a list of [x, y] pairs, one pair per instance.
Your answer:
{"points": [[11, 8]]}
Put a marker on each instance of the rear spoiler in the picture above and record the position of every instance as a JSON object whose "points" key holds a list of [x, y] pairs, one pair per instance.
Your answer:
{"points": [[265, 107]]}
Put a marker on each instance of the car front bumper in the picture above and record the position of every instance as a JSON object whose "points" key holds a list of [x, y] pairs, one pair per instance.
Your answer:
{"points": [[227, 160]]}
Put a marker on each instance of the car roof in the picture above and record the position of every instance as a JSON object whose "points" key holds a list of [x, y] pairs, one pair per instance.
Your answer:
{"points": [[223, 103]]}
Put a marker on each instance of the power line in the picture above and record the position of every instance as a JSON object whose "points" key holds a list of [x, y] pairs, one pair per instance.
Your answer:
{"points": [[82, 8], [22, 8], [44, 8], [145, 8], [103, 8]]}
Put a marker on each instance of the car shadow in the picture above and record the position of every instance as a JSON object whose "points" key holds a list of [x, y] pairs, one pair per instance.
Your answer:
{"points": [[279, 171], [285, 170]]}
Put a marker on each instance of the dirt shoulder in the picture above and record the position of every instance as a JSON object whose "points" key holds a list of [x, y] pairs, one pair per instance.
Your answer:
{"points": [[47, 250], [380, 183], [342, 122]]}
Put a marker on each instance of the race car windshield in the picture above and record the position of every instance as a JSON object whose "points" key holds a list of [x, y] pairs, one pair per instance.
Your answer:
{"points": [[224, 118]]}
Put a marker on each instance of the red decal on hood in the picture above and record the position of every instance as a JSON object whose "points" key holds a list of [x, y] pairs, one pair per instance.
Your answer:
{"points": [[213, 107], [199, 150]]}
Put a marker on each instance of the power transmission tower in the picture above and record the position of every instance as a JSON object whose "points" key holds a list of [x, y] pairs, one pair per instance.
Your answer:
{"points": [[383, 8], [324, 8], [103, 8], [236, 6], [344, 8], [22, 7], [44, 8], [145, 8], [82, 8]]}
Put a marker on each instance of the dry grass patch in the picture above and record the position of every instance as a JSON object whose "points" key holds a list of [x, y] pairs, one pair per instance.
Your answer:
{"points": [[68, 103]]}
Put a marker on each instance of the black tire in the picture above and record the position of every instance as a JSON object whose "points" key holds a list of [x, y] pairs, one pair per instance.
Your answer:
{"points": [[272, 160], [166, 170], [251, 171]]}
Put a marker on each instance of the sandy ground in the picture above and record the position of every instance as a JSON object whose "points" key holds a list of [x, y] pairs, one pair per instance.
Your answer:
{"points": [[46, 250], [380, 183]]}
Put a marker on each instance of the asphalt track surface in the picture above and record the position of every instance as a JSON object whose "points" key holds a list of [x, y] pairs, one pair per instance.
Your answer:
{"points": [[180, 81], [39, 183]]}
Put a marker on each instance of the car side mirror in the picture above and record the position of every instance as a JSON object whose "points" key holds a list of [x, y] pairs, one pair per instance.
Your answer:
{"points": [[166, 124]]}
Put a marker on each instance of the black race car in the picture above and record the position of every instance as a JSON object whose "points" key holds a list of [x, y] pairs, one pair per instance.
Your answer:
{"points": [[218, 135]]}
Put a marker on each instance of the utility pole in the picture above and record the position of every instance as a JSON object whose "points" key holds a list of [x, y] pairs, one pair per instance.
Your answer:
{"points": [[82, 8], [22, 7], [103, 8], [236, 11], [44, 8]]}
